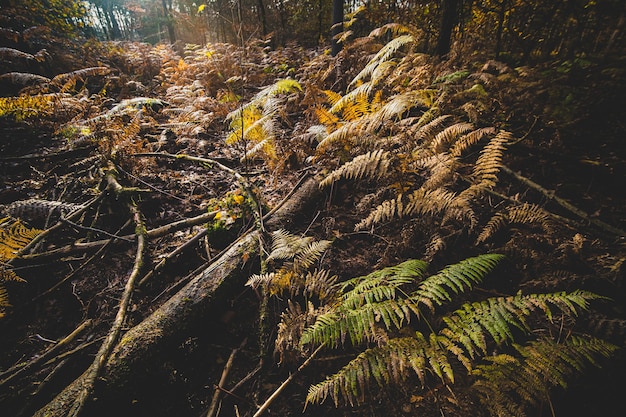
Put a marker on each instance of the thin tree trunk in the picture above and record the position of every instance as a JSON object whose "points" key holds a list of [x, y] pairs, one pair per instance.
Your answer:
{"points": [[169, 21], [262, 18], [448, 21], [337, 27]]}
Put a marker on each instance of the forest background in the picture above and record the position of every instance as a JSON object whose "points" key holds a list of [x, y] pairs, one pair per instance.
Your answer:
{"points": [[272, 207]]}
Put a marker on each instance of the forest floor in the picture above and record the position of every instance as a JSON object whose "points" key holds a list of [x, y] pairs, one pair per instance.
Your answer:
{"points": [[568, 123]]}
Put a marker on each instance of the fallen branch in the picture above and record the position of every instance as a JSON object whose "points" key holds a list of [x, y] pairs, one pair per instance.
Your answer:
{"points": [[282, 386], [81, 247], [550, 195], [220, 385], [45, 356], [167, 325], [102, 356]]}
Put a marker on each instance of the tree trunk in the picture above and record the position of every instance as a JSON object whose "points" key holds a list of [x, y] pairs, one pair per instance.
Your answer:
{"points": [[138, 349], [169, 21], [262, 19], [337, 27], [448, 21]]}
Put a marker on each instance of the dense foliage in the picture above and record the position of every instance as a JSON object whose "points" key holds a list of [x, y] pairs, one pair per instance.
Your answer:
{"points": [[209, 200]]}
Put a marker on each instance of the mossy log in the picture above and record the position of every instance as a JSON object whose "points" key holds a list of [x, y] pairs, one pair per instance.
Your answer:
{"points": [[139, 348]]}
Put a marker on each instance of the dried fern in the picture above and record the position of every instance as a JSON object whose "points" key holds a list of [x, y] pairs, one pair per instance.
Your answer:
{"points": [[383, 55], [529, 214], [420, 202], [370, 165], [14, 235], [297, 255]]}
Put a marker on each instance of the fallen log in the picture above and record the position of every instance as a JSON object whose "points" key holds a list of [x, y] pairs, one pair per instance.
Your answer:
{"points": [[139, 347]]}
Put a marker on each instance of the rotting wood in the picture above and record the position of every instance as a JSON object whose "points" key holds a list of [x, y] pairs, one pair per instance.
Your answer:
{"points": [[164, 327], [94, 371]]}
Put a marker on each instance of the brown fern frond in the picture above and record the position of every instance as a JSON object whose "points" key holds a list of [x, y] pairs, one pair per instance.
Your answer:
{"points": [[435, 245], [529, 214], [470, 139], [441, 166], [320, 283], [4, 300], [37, 210], [69, 79], [426, 132], [419, 203], [394, 28], [447, 136], [488, 166], [23, 79], [490, 159], [373, 164], [385, 53]]}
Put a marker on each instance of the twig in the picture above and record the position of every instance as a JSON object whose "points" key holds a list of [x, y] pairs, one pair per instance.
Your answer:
{"points": [[227, 367], [71, 216], [113, 335], [282, 386], [93, 229], [16, 370], [81, 267], [161, 231], [550, 195], [172, 255]]}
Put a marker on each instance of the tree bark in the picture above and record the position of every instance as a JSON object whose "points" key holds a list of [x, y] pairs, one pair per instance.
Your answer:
{"points": [[448, 20], [337, 27], [139, 347]]}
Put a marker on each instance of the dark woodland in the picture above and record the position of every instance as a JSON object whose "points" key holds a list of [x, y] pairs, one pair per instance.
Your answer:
{"points": [[344, 208]]}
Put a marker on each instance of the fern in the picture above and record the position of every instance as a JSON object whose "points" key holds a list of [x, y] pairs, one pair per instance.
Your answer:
{"points": [[298, 254], [383, 55], [505, 379], [529, 214], [14, 235], [420, 202], [496, 317], [458, 278], [366, 301], [255, 122], [371, 165]]}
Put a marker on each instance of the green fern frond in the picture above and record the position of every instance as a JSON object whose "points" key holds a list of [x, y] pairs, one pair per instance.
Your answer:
{"points": [[380, 284], [370, 165], [457, 278], [541, 365], [497, 316], [385, 364], [365, 301]]}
